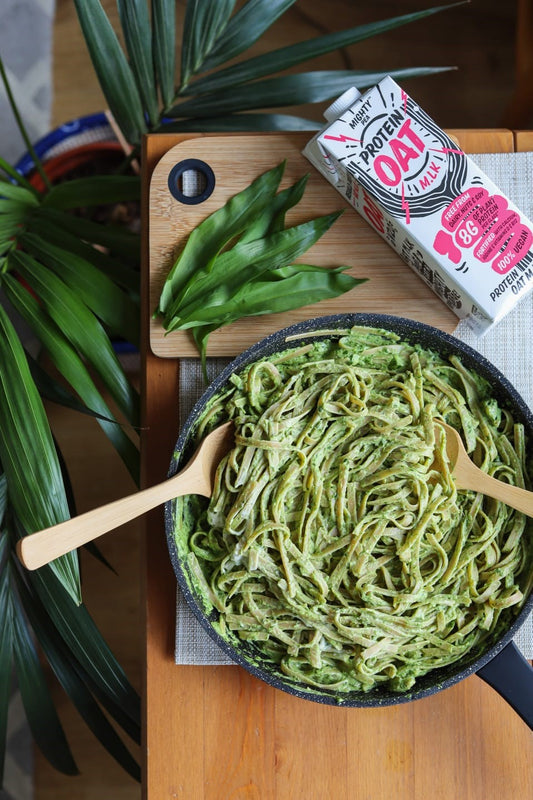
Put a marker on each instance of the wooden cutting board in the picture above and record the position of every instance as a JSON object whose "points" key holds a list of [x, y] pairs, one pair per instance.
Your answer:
{"points": [[392, 287]]}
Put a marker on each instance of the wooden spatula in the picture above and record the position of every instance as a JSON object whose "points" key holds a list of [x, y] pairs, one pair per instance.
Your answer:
{"points": [[197, 477], [468, 476]]}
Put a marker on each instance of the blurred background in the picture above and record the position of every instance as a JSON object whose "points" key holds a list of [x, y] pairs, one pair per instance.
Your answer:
{"points": [[51, 74]]}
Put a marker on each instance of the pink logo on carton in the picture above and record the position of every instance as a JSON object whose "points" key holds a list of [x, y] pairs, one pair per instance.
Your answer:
{"points": [[485, 223]]}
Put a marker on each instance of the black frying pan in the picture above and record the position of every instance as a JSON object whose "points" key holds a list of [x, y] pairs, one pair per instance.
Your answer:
{"points": [[501, 664]]}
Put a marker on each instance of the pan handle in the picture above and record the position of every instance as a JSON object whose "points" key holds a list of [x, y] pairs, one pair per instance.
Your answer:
{"points": [[510, 674]]}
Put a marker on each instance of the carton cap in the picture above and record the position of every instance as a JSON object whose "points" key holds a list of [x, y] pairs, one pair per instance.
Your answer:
{"points": [[342, 103]]}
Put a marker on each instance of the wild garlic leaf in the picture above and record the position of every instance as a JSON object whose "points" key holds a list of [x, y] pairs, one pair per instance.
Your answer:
{"points": [[243, 264], [252, 272], [210, 236]]}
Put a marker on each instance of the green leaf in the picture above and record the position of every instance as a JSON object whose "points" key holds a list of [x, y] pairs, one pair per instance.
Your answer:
{"points": [[18, 194], [135, 23], [303, 288], [19, 179], [245, 28], [208, 238], [164, 46], [28, 453], [21, 126], [10, 225], [3, 499], [304, 285], [69, 675], [81, 327], [241, 266], [104, 675], [14, 208], [117, 270], [289, 90], [287, 57], [120, 242], [111, 67], [55, 392], [110, 304], [94, 191], [6, 644], [204, 22], [243, 122], [272, 219], [38, 705], [72, 368]]}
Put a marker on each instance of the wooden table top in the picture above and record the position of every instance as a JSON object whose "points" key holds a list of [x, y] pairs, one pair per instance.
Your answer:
{"points": [[217, 732]]}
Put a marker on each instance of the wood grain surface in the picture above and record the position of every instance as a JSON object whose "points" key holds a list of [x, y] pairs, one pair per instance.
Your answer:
{"points": [[214, 733]]}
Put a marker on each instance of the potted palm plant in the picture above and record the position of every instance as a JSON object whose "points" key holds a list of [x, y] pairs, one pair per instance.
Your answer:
{"points": [[75, 282]]}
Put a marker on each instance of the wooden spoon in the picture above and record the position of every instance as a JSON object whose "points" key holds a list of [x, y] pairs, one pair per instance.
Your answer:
{"points": [[197, 477], [468, 476]]}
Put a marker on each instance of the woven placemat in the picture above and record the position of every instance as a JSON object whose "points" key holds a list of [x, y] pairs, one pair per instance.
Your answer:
{"points": [[507, 346]]}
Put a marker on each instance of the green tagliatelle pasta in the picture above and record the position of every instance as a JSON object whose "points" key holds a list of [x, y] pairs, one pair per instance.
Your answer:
{"points": [[336, 541]]}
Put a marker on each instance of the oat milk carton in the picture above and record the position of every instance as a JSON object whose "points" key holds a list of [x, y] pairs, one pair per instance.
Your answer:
{"points": [[428, 200]]}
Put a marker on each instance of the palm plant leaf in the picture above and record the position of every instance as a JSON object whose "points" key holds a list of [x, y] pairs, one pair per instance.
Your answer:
{"points": [[71, 366], [80, 326], [204, 22], [38, 705], [115, 268], [103, 673], [121, 242], [50, 389], [164, 47], [113, 71], [16, 178], [19, 194], [287, 57], [70, 676], [112, 306], [244, 29], [212, 36], [3, 505], [243, 122], [92, 191], [6, 632], [10, 225], [307, 87], [28, 454], [135, 23]]}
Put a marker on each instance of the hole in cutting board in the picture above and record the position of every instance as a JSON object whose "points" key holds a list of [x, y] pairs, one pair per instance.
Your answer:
{"points": [[191, 181]]}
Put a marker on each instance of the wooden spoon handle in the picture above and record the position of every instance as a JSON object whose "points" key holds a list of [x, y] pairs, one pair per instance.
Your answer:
{"points": [[514, 496], [44, 546]]}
